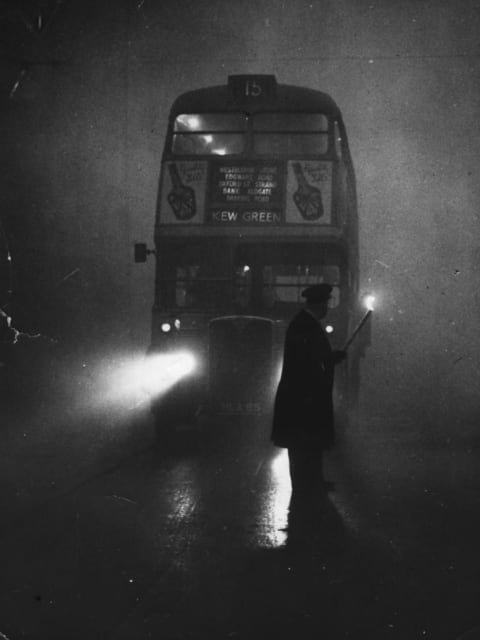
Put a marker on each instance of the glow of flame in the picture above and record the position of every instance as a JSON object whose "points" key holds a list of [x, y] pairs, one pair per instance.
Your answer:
{"points": [[369, 302]]}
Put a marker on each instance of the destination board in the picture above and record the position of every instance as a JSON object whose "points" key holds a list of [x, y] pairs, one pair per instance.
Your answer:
{"points": [[246, 193]]}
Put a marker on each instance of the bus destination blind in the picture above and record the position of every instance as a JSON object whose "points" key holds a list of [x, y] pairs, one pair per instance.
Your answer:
{"points": [[247, 193]]}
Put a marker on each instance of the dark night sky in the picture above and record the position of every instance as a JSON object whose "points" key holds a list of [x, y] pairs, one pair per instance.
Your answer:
{"points": [[83, 132]]}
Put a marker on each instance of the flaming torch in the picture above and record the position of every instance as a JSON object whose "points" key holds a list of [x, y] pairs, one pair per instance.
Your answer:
{"points": [[369, 301]]}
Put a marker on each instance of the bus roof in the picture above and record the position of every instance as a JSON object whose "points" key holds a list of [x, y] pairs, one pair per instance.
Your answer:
{"points": [[277, 97]]}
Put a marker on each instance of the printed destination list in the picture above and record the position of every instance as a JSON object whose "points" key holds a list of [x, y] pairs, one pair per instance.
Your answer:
{"points": [[246, 193]]}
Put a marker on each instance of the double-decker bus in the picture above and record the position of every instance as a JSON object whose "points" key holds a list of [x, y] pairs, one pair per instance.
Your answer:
{"points": [[256, 201]]}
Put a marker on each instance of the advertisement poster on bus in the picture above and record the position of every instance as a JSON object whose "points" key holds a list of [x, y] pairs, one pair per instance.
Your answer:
{"points": [[309, 192], [183, 192], [246, 193]]}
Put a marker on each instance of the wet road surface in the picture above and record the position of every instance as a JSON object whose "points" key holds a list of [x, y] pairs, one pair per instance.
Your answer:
{"points": [[194, 541]]}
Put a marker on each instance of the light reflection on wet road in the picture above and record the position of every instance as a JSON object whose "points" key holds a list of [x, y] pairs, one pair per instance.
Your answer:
{"points": [[276, 507], [186, 541], [182, 492]]}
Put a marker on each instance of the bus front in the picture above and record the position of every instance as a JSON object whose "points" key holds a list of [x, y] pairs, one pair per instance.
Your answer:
{"points": [[256, 202]]}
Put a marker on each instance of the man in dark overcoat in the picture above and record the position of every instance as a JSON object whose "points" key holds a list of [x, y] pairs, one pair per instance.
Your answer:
{"points": [[303, 413]]}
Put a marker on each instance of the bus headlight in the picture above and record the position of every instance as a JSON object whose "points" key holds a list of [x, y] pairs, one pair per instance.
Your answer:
{"points": [[163, 370], [170, 325]]}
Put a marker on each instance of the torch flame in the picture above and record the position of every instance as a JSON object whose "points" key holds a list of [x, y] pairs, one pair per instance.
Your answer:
{"points": [[369, 302]]}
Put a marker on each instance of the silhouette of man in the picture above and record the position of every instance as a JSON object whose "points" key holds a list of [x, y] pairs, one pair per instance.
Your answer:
{"points": [[303, 413]]}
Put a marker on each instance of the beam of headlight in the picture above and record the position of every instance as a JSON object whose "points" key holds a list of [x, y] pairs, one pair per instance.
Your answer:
{"points": [[127, 383], [161, 371]]}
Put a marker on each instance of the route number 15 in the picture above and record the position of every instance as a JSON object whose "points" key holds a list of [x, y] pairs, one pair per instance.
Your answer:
{"points": [[253, 89]]}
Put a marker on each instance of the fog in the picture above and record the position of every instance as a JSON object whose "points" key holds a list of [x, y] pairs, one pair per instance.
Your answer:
{"points": [[85, 96]]}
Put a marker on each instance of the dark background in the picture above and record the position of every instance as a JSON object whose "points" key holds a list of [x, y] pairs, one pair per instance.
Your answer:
{"points": [[109, 532], [85, 90]]}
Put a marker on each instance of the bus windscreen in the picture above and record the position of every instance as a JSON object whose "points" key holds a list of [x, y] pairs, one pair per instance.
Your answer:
{"points": [[195, 275], [205, 276], [284, 270]]}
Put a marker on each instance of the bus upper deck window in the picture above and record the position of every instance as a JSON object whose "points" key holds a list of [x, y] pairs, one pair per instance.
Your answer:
{"points": [[288, 121], [209, 134], [208, 122], [288, 133], [220, 144], [337, 134], [291, 144]]}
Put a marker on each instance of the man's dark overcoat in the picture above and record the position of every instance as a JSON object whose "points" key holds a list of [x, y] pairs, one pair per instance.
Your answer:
{"points": [[303, 411]]}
